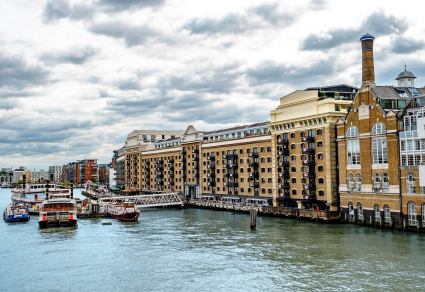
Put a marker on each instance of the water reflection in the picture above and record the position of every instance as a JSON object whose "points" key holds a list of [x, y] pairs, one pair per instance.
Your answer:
{"points": [[58, 233]]}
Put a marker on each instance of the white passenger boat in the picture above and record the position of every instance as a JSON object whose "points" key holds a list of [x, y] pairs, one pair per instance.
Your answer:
{"points": [[58, 210], [33, 195]]}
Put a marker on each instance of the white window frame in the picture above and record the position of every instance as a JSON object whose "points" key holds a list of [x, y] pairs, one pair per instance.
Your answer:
{"points": [[410, 184], [353, 152], [350, 211], [358, 183], [377, 213], [387, 214], [379, 150], [359, 211], [411, 214]]}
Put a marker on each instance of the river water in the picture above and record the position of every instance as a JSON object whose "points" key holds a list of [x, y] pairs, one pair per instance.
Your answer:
{"points": [[203, 250]]}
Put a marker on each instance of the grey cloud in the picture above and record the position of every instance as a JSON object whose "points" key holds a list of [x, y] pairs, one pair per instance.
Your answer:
{"points": [[120, 5], [229, 24], [128, 84], [76, 56], [65, 9], [59, 9], [30, 135], [318, 4], [271, 14], [15, 72], [237, 23], [132, 35], [271, 72], [217, 80], [404, 45], [378, 24]]}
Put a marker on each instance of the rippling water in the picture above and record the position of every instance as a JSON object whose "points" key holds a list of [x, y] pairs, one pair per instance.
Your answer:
{"points": [[202, 250]]}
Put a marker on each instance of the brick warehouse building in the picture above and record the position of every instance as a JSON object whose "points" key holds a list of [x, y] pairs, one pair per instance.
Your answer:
{"points": [[380, 151], [338, 148]]}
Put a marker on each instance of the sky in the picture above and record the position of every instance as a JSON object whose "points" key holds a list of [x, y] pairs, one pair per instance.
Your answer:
{"points": [[76, 76]]}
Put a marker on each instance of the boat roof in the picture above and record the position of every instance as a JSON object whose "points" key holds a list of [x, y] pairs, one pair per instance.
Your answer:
{"points": [[58, 200]]}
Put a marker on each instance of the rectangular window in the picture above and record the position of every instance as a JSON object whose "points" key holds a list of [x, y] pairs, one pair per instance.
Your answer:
{"points": [[379, 150], [353, 152]]}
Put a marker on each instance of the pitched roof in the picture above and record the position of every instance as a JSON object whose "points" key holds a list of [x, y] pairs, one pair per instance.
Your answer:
{"points": [[392, 92]]}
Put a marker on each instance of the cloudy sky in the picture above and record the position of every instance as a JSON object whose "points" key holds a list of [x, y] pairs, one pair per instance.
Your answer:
{"points": [[76, 76]]}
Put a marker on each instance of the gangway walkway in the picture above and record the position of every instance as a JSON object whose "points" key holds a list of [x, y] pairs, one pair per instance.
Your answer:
{"points": [[148, 201]]}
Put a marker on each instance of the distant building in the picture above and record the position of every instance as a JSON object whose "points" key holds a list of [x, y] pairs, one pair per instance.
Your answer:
{"points": [[69, 172], [87, 170], [21, 174], [103, 171], [6, 175], [39, 176], [55, 173], [118, 164]]}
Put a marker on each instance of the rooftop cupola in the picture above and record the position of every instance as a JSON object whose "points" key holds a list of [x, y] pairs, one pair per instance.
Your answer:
{"points": [[406, 78], [368, 67]]}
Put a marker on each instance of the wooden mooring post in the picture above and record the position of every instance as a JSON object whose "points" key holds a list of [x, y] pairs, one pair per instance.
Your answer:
{"points": [[253, 213]]}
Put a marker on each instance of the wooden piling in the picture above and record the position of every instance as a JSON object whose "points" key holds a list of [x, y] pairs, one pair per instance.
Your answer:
{"points": [[253, 213]]}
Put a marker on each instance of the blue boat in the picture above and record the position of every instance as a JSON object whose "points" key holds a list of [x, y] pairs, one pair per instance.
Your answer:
{"points": [[16, 213]]}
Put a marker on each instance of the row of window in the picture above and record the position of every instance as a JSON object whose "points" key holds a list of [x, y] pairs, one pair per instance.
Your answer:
{"points": [[411, 213], [242, 190], [380, 183], [239, 134], [304, 180], [304, 192], [379, 145]]}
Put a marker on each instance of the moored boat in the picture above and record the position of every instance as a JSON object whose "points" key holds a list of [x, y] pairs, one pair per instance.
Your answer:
{"points": [[33, 195], [16, 213], [58, 210], [123, 211]]}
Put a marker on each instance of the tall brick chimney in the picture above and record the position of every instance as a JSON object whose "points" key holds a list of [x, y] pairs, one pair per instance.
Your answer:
{"points": [[368, 68]]}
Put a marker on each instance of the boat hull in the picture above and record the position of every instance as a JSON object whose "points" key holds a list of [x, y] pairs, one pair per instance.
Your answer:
{"points": [[46, 224], [129, 217], [16, 218]]}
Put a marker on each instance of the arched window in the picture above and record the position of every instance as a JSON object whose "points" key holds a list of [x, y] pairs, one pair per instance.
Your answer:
{"points": [[385, 183], [321, 193], [294, 191], [411, 209], [350, 211], [376, 183], [320, 156], [320, 168], [387, 214], [321, 180], [358, 183], [352, 132], [378, 129], [294, 180], [320, 144], [376, 213], [359, 211], [350, 183], [410, 184], [353, 146]]}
